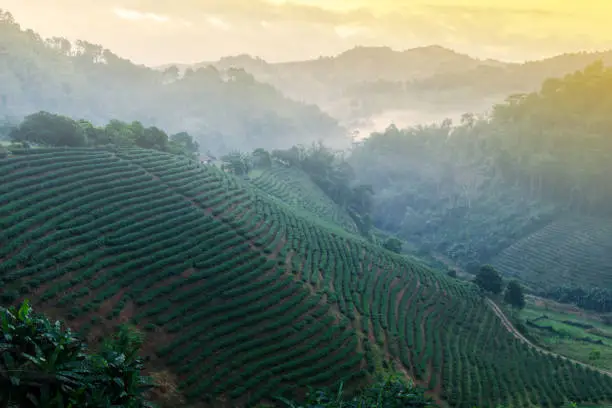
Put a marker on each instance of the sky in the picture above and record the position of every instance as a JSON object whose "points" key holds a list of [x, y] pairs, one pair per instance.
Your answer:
{"points": [[155, 32]]}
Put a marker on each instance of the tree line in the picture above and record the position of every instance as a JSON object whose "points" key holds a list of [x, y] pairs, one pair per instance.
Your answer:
{"points": [[471, 189], [326, 167], [221, 108], [48, 129]]}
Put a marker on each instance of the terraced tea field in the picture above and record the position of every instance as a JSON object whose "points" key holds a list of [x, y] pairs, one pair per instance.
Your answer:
{"points": [[246, 298], [575, 251], [294, 187]]}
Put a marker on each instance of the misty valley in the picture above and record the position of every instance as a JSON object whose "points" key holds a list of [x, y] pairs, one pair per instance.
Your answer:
{"points": [[379, 228]]}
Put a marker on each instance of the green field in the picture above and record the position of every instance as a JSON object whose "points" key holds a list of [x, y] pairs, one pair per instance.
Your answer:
{"points": [[576, 251], [245, 296], [569, 332]]}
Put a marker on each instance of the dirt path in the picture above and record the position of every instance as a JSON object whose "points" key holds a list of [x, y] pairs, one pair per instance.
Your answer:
{"points": [[510, 327]]}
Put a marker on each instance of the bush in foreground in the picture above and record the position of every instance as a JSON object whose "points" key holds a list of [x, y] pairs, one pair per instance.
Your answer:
{"points": [[44, 365], [392, 392]]}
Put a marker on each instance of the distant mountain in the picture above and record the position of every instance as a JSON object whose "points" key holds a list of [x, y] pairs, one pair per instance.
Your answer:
{"points": [[225, 110], [368, 84]]}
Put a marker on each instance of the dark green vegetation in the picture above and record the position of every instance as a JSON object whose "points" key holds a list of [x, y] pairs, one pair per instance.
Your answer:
{"points": [[489, 280], [43, 365], [233, 282], [47, 129], [391, 392], [514, 295], [471, 191], [335, 177], [220, 108]]}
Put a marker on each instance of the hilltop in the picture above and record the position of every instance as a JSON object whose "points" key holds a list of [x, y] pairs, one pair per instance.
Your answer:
{"points": [[221, 108], [524, 188], [406, 87], [245, 297]]}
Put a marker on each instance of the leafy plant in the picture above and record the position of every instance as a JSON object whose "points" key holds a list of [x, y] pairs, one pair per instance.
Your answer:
{"points": [[391, 392], [44, 365]]}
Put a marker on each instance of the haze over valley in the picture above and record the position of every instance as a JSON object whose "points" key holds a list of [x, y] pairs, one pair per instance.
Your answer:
{"points": [[305, 204]]}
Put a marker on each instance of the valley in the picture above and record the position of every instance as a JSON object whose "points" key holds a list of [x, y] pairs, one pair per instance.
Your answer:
{"points": [[374, 229]]}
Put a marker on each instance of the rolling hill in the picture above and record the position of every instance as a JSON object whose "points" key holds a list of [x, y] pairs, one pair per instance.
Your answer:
{"points": [[368, 88], [223, 109], [295, 188], [244, 297], [574, 251]]}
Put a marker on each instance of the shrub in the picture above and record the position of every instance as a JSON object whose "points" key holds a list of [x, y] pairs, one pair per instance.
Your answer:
{"points": [[44, 365], [392, 392]]}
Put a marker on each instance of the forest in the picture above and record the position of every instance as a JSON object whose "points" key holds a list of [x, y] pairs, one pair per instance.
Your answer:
{"points": [[207, 236], [220, 108], [471, 189]]}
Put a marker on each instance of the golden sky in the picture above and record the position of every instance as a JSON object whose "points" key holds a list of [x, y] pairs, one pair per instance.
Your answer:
{"points": [[161, 31]]}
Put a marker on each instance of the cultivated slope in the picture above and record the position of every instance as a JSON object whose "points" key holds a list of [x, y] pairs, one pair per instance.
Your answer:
{"points": [[295, 188], [575, 251], [247, 299]]}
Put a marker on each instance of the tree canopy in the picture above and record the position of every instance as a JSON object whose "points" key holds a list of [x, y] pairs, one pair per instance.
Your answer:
{"points": [[471, 189], [222, 109], [489, 279], [50, 129], [336, 177], [56, 130], [393, 245], [514, 295]]}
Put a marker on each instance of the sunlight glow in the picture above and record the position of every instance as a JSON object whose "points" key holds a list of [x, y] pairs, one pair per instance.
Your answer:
{"points": [[135, 15]]}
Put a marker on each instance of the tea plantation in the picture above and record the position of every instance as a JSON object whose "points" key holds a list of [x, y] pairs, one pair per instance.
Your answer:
{"points": [[245, 296], [574, 251]]}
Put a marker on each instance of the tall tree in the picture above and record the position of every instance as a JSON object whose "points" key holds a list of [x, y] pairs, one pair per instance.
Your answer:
{"points": [[514, 295], [49, 129], [489, 279]]}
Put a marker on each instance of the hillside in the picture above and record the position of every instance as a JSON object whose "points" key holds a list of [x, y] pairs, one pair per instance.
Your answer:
{"points": [[576, 252], [223, 109], [345, 85], [295, 188], [477, 188], [367, 88], [231, 282]]}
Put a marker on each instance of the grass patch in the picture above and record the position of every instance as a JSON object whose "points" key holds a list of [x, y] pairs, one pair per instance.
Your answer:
{"points": [[571, 334]]}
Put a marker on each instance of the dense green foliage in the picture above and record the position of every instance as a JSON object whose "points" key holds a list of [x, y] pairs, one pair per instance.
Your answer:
{"points": [[597, 299], [222, 109], [474, 189], [393, 244], [514, 295], [49, 129], [488, 279], [43, 365], [392, 392], [234, 282]]}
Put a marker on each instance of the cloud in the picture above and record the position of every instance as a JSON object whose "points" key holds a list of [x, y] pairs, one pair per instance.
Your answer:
{"points": [[349, 31], [135, 15], [175, 30], [219, 23]]}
